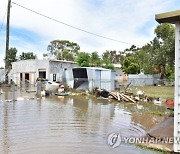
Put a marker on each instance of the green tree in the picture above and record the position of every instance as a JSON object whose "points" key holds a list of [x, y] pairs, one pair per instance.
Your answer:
{"points": [[155, 56], [95, 60], [165, 34], [12, 56], [27, 55], [106, 58], [83, 59], [63, 49], [131, 50], [130, 65], [109, 66], [112, 56], [65, 55]]}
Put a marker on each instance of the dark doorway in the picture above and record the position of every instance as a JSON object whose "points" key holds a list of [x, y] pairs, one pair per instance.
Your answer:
{"points": [[42, 74], [21, 76], [80, 78], [26, 81], [27, 76]]}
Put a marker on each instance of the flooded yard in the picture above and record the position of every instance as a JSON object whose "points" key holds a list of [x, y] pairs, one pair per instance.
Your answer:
{"points": [[78, 124]]}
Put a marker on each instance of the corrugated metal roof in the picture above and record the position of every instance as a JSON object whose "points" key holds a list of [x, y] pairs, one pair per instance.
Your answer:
{"points": [[95, 68]]}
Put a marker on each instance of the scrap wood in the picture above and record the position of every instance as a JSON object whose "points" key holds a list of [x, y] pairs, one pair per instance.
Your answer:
{"points": [[121, 96], [130, 99], [114, 95], [118, 96], [127, 86], [124, 98]]}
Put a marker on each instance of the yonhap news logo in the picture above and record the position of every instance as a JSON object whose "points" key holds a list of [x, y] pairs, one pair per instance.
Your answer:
{"points": [[115, 139]]}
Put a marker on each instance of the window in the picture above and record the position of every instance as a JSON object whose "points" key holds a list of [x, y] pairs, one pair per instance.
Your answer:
{"points": [[54, 77]]}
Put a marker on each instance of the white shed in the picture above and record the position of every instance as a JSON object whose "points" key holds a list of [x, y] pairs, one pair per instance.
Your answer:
{"points": [[91, 77]]}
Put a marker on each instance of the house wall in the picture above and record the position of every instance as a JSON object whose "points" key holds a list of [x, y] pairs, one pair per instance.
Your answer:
{"points": [[31, 67], [69, 78], [118, 74], [60, 69], [2, 75], [22, 67]]}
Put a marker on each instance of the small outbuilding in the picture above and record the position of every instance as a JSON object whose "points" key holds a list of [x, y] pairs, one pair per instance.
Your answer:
{"points": [[91, 77], [30, 70]]}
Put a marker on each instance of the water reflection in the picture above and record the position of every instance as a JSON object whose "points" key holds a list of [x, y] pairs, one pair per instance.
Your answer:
{"points": [[65, 125]]}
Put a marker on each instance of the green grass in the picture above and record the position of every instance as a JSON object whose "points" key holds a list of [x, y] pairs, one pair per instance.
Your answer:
{"points": [[155, 91], [163, 151]]}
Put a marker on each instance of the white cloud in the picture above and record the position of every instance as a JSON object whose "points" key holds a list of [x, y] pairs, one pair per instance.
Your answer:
{"points": [[117, 19]]}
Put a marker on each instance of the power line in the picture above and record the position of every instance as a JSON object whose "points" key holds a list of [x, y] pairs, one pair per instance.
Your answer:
{"points": [[71, 25]]}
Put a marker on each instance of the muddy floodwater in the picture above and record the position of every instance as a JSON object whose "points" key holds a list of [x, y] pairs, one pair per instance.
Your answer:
{"points": [[69, 125]]}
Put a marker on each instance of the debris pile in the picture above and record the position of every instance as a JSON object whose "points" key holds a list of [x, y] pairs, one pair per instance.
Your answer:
{"points": [[126, 97]]}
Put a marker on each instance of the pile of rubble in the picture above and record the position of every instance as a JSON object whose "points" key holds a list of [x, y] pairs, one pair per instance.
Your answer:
{"points": [[127, 97], [124, 96]]}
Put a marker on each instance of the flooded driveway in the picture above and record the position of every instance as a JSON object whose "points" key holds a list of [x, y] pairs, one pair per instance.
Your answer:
{"points": [[77, 124]]}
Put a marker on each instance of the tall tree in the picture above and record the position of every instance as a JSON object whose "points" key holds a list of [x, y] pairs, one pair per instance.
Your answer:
{"points": [[106, 57], [12, 52], [130, 65], [95, 60], [27, 55], [154, 56], [63, 49], [165, 55], [165, 34], [83, 59], [65, 55]]}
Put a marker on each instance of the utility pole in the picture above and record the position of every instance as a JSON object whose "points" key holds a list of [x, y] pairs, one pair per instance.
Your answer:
{"points": [[7, 42]]}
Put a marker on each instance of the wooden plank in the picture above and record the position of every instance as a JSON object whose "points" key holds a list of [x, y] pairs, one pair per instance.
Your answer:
{"points": [[114, 95], [118, 97], [124, 98], [130, 99]]}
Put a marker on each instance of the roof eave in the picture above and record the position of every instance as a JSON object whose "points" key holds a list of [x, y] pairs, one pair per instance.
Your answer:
{"points": [[169, 17]]}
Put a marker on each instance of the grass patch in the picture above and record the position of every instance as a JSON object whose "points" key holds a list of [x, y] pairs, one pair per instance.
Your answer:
{"points": [[163, 151], [161, 113], [155, 91]]}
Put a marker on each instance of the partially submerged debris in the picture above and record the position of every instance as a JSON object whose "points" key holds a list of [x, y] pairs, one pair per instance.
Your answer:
{"points": [[124, 95], [102, 92]]}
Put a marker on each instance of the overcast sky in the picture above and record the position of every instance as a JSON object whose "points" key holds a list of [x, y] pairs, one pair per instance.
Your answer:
{"points": [[131, 21]]}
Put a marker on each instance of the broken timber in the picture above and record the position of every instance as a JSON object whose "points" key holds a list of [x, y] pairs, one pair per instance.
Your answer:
{"points": [[122, 97]]}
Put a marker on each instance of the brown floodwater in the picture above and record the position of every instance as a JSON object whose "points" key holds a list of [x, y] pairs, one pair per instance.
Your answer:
{"points": [[78, 125]]}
